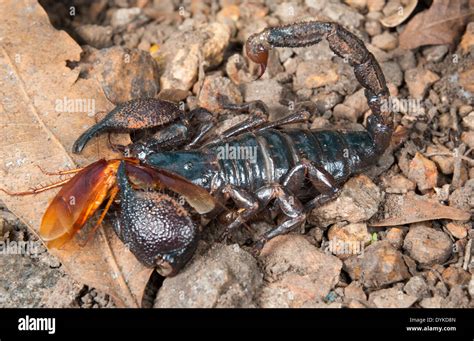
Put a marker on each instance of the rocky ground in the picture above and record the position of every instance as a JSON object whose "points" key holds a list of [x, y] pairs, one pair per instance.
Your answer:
{"points": [[193, 52]]}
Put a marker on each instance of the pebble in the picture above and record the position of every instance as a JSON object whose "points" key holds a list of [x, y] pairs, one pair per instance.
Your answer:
{"points": [[223, 276], [124, 74], [423, 172], [463, 198], [417, 287], [381, 265], [419, 81], [375, 5], [296, 272], [354, 291], [467, 41], [267, 90], [311, 75], [435, 53], [468, 121], [458, 231], [373, 27], [453, 276], [466, 80], [395, 237], [468, 138], [186, 50], [385, 41], [348, 239], [445, 163], [124, 16], [237, 70], [391, 298], [326, 101], [96, 36], [393, 73], [407, 60], [397, 184], [214, 86], [358, 201], [431, 302], [426, 245]]}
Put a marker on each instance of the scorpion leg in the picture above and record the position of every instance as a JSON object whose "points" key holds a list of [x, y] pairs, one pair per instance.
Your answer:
{"points": [[247, 203]]}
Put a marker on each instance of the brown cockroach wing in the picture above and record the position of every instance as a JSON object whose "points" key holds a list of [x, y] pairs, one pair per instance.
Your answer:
{"points": [[77, 201], [196, 196]]}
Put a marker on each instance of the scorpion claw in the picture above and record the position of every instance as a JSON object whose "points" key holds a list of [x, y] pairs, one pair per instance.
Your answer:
{"points": [[257, 51], [156, 229]]}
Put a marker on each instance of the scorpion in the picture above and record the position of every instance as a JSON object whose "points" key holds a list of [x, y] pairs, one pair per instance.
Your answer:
{"points": [[294, 171]]}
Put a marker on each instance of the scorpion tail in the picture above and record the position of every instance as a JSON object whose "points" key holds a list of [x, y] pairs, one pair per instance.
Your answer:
{"points": [[346, 45]]}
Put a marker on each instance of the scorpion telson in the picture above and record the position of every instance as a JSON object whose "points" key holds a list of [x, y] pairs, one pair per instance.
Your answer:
{"points": [[295, 169]]}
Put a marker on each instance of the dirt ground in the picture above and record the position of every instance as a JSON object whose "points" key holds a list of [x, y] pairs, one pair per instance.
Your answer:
{"points": [[398, 235]]}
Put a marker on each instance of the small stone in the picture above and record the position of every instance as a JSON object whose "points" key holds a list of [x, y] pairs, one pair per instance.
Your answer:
{"points": [[344, 112], [468, 138], [407, 60], [423, 172], [453, 276], [393, 73], [464, 110], [381, 265], [223, 276], [457, 230], [463, 198], [395, 237], [435, 53], [457, 298], [375, 5], [419, 81], [186, 50], [385, 41], [431, 302], [311, 75], [96, 36], [237, 70], [326, 101], [468, 121], [466, 80], [426, 245], [123, 73], [358, 102], [417, 287], [124, 16], [391, 298], [467, 41], [358, 4], [445, 163], [215, 86], [358, 201], [471, 287], [373, 27], [269, 91], [354, 291], [398, 184], [297, 272], [348, 239]]}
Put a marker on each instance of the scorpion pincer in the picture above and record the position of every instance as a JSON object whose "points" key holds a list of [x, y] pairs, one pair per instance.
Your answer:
{"points": [[295, 170]]}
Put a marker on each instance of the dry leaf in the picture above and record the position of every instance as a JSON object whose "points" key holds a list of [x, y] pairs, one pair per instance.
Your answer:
{"points": [[40, 117], [411, 208], [440, 24], [400, 15]]}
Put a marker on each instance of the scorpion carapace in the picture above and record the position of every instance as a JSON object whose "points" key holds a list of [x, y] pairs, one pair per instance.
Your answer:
{"points": [[147, 219], [295, 169]]}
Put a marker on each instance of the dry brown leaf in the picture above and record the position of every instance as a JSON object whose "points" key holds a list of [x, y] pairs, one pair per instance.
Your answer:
{"points": [[411, 208], [440, 24], [400, 15], [34, 79]]}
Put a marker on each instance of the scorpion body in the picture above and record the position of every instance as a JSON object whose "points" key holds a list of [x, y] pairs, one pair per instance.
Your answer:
{"points": [[294, 169]]}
